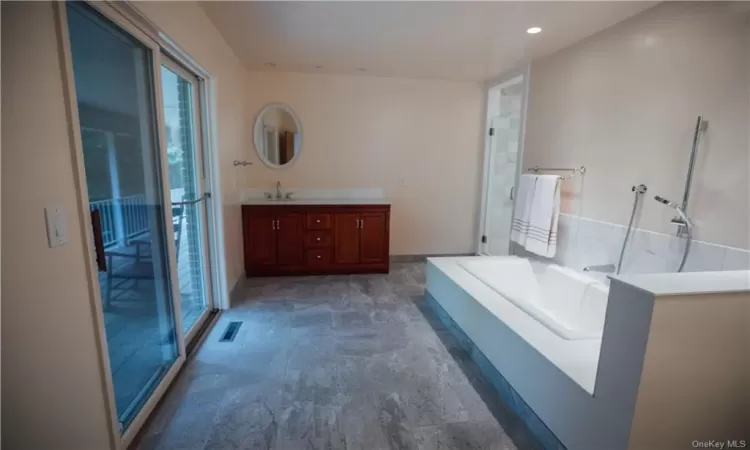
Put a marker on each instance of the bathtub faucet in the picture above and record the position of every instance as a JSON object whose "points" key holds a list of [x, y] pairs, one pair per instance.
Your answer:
{"points": [[606, 268]]}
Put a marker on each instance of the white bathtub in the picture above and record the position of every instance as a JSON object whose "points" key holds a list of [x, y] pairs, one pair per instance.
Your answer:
{"points": [[568, 303]]}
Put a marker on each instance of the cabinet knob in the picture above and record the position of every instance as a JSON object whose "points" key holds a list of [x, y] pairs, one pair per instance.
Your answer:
{"points": [[317, 221], [318, 256], [318, 239]]}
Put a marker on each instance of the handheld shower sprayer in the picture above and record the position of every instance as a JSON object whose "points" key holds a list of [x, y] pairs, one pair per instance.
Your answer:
{"points": [[664, 200], [688, 226]]}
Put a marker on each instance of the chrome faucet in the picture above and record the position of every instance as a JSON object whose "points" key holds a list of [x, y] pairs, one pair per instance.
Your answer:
{"points": [[278, 190], [606, 268]]}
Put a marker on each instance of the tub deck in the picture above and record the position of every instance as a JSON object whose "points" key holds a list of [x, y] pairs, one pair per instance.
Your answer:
{"points": [[578, 359]]}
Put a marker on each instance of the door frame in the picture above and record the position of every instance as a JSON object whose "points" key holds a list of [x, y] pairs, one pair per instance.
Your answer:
{"points": [[133, 22], [207, 88], [525, 72], [175, 66]]}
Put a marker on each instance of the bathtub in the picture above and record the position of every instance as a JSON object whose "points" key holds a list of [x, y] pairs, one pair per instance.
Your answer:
{"points": [[568, 303]]}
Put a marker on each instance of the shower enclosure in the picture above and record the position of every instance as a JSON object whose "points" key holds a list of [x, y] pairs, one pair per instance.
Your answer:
{"points": [[506, 108]]}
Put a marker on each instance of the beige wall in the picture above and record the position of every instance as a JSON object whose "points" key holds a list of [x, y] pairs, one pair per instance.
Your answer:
{"points": [[699, 345], [417, 140], [186, 24], [624, 103], [52, 393]]}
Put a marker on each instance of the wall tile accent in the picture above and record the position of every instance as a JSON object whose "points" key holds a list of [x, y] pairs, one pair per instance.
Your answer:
{"points": [[585, 242]]}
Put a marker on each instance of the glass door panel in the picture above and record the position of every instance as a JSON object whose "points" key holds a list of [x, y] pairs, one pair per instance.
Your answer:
{"points": [[114, 89], [180, 95], [504, 109]]}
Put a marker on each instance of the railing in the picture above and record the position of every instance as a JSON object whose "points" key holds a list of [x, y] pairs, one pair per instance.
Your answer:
{"points": [[107, 213], [122, 218]]}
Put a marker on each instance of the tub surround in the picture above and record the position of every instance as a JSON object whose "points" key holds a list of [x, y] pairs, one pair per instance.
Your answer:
{"points": [[672, 284], [697, 357], [576, 358], [584, 242], [614, 393]]}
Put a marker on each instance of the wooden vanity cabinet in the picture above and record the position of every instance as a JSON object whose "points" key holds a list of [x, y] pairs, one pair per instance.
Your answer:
{"points": [[315, 239]]}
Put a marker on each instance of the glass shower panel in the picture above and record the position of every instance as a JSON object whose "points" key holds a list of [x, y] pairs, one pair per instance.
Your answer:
{"points": [[504, 150], [114, 86]]}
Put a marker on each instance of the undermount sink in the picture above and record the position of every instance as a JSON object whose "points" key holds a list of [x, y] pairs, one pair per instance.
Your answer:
{"points": [[280, 200]]}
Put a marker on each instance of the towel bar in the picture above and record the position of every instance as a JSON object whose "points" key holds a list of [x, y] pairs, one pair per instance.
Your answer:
{"points": [[581, 170]]}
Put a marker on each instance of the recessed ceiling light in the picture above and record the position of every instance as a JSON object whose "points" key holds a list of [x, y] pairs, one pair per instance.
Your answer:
{"points": [[270, 64], [534, 30]]}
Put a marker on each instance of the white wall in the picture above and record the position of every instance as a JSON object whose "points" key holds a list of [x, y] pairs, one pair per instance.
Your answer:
{"points": [[53, 394], [624, 102], [418, 140]]}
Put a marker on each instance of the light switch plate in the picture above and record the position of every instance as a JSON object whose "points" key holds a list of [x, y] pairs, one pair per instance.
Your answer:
{"points": [[57, 225]]}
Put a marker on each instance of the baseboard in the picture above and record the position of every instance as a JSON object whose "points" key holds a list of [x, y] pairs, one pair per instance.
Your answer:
{"points": [[236, 289]]}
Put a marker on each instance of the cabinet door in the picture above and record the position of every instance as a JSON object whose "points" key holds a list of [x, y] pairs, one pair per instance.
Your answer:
{"points": [[290, 239], [373, 247], [260, 240], [346, 238]]}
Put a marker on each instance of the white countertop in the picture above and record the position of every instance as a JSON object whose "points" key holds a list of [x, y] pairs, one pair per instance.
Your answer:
{"points": [[316, 201], [686, 283]]}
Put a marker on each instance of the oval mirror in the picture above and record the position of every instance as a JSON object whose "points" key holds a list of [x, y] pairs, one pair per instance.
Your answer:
{"points": [[277, 136]]}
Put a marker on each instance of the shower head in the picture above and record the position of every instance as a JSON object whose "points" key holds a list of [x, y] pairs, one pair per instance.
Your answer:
{"points": [[666, 202], [685, 219]]}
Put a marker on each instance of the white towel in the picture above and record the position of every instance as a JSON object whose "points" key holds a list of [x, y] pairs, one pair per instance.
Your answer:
{"points": [[522, 212], [545, 209]]}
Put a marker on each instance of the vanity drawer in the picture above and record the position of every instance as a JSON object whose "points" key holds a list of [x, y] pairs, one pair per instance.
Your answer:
{"points": [[318, 257], [321, 238], [318, 221]]}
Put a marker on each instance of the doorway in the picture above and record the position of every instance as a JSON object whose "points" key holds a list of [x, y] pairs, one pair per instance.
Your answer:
{"points": [[506, 105]]}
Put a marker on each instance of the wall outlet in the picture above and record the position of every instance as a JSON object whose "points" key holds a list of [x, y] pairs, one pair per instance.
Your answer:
{"points": [[57, 225]]}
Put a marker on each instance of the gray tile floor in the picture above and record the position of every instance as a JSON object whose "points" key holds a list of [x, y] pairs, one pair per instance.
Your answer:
{"points": [[338, 362]]}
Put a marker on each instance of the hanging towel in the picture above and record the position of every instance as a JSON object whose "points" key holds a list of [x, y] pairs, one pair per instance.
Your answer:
{"points": [[545, 209], [522, 212]]}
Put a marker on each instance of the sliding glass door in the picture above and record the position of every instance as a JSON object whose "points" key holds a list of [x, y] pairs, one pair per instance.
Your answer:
{"points": [[133, 222], [187, 184]]}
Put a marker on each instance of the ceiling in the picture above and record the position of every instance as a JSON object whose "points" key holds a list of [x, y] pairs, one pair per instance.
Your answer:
{"points": [[470, 41]]}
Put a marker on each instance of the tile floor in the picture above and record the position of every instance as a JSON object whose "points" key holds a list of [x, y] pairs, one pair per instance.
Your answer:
{"points": [[337, 362]]}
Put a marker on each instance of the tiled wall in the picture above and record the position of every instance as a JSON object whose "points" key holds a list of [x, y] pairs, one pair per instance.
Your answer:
{"points": [[585, 242]]}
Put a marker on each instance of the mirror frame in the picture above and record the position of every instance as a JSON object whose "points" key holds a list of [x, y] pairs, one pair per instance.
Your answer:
{"points": [[259, 123]]}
